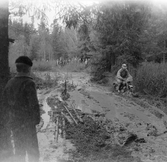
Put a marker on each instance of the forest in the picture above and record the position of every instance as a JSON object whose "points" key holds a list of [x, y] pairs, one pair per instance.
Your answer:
{"points": [[117, 31], [106, 33]]}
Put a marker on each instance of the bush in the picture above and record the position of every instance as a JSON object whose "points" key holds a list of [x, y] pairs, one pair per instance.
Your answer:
{"points": [[74, 66], [88, 137], [98, 68], [44, 65], [151, 79], [45, 80]]}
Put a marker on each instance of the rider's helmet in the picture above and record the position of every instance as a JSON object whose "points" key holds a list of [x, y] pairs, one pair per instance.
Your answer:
{"points": [[124, 66]]}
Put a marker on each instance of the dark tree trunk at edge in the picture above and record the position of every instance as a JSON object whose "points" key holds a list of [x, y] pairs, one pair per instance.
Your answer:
{"points": [[4, 45]]}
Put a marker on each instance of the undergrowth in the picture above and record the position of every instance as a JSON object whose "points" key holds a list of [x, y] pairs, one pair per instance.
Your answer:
{"points": [[74, 66], [44, 65], [43, 83], [151, 79], [94, 144], [88, 136]]}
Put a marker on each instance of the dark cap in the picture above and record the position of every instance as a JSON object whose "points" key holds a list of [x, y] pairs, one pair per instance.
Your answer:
{"points": [[24, 60]]}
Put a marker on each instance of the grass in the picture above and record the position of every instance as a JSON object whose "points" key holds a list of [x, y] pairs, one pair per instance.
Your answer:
{"points": [[74, 66], [114, 154], [45, 80], [94, 144], [151, 79], [87, 137], [44, 66], [37, 66]]}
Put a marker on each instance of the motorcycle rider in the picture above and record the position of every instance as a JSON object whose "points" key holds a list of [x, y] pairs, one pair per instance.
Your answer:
{"points": [[123, 75]]}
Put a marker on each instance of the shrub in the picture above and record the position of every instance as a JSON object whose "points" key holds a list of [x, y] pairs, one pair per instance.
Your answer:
{"points": [[45, 79], [98, 68], [44, 65], [151, 78], [74, 66]]}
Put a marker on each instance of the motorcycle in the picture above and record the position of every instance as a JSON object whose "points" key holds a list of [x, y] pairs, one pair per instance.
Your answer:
{"points": [[125, 86]]}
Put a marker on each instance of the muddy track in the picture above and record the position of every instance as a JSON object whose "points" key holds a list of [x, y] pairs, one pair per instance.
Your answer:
{"points": [[147, 122]]}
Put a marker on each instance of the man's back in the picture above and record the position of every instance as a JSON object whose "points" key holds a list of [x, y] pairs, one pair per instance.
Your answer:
{"points": [[16, 86], [21, 100]]}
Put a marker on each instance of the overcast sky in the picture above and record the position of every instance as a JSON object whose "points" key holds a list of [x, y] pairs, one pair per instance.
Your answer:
{"points": [[51, 13]]}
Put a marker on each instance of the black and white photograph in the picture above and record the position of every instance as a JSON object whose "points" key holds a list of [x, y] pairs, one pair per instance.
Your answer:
{"points": [[83, 80]]}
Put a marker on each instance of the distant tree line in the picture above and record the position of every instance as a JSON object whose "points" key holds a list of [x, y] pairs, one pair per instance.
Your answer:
{"points": [[108, 32], [130, 32]]}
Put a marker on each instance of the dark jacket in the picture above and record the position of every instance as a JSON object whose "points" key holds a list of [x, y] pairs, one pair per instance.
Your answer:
{"points": [[20, 101]]}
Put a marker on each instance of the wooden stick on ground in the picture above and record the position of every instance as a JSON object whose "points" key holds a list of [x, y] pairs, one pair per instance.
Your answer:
{"points": [[57, 128], [66, 117], [63, 126], [79, 118], [70, 114]]}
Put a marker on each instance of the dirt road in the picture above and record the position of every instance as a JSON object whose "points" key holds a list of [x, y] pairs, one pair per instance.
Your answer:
{"points": [[147, 122]]}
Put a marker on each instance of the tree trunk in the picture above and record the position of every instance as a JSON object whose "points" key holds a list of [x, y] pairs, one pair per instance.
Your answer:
{"points": [[4, 45], [112, 60], [164, 53]]}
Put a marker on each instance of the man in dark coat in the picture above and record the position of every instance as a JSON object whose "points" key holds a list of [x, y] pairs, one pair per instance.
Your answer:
{"points": [[22, 108]]}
